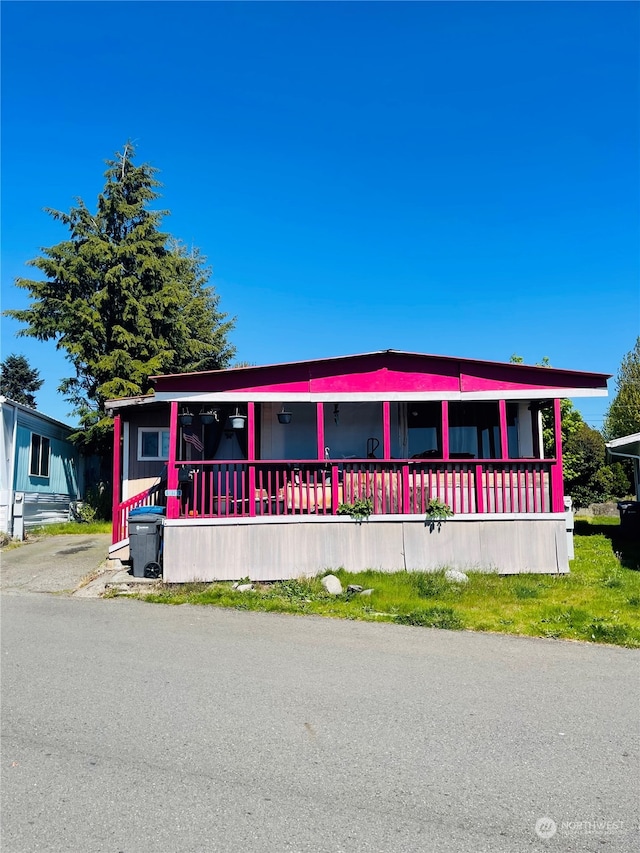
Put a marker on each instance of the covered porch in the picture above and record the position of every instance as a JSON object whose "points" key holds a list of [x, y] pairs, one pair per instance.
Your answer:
{"points": [[256, 449]]}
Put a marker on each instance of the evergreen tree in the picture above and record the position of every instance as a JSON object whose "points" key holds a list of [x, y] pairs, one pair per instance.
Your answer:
{"points": [[122, 298], [19, 381], [623, 415]]}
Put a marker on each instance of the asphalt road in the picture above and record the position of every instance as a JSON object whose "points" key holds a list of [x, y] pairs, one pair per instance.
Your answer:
{"points": [[137, 728]]}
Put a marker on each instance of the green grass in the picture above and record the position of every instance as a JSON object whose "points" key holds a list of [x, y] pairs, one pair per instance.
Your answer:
{"points": [[71, 527], [599, 601]]}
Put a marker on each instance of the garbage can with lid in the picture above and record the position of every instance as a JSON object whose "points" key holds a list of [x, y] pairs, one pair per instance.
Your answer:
{"points": [[629, 518], [145, 540]]}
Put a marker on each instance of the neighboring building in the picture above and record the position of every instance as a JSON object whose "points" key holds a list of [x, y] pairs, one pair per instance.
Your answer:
{"points": [[40, 469], [628, 447], [254, 463]]}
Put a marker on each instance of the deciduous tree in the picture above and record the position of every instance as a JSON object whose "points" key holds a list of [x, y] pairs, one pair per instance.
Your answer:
{"points": [[623, 415]]}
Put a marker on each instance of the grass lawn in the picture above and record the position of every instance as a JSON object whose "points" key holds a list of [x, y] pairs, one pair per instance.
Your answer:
{"points": [[599, 601], [78, 527]]}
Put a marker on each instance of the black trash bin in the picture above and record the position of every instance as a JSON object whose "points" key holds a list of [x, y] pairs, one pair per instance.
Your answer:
{"points": [[629, 519], [145, 541]]}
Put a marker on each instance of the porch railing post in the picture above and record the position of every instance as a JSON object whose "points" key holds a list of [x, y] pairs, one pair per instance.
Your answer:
{"points": [[173, 502], [445, 429], [405, 490], [479, 490], [116, 525], [504, 434], [320, 429], [557, 485], [251, 457], [386, 430]]}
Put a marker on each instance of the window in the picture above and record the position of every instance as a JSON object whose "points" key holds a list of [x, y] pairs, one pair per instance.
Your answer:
{"points": [[153, 444], [474, 430], [40, 454], [424, 423]]}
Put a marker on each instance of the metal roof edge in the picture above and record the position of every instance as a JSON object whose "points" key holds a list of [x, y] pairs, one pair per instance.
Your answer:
{"points": [[510, 364]]}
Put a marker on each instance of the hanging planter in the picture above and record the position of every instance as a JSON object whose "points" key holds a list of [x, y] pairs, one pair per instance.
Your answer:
{"points": [[237, 420], [284, 417], [209, 416], [185, 418]]}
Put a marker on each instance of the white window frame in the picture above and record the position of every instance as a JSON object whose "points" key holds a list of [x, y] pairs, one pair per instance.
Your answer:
{"points": [[159, 431], [38, 473]]}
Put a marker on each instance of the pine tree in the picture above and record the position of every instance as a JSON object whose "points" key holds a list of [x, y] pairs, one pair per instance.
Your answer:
{"points": [[623, 416], [122, 298], [19, 381]]}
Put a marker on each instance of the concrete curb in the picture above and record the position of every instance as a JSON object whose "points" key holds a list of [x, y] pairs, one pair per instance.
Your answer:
{"points": [[112, 575]]}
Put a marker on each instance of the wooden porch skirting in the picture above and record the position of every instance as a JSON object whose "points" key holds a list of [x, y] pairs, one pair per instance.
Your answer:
{"points": [[281, 548]]}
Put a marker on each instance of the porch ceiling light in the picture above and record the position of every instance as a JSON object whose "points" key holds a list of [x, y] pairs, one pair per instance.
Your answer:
{"points": [[284, 417], [185, 418]]}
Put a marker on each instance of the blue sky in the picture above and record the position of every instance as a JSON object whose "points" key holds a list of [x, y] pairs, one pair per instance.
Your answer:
{"points": [[452, 178]]}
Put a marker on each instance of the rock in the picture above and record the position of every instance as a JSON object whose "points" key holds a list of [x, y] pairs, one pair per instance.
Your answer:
{"points": [[455, 576], [332, 584], [244, 587], [354, 587], [366, 592]]}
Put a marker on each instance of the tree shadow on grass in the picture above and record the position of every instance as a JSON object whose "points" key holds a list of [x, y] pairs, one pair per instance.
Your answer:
{"points": [[626, 544]]}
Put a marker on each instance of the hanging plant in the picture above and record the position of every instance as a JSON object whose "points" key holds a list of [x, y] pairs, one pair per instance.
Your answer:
{"points": [[359, 510], [437, 512]]}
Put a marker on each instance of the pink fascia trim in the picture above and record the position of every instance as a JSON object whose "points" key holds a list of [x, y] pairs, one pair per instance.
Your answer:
{"points": [[385, 380], [498, 379], [380, 372]]}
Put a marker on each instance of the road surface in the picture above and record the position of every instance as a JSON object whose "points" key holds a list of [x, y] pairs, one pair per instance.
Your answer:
{"points": [[138, 728]]}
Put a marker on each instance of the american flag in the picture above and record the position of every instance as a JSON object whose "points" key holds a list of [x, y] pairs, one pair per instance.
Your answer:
{"points": [[191, 438]]}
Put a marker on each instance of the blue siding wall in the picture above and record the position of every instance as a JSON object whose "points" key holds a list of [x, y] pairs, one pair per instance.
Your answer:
{"points": [[64, 460]]}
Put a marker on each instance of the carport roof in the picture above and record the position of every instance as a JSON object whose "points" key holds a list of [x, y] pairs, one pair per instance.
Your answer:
{"points": [[627, 445]]}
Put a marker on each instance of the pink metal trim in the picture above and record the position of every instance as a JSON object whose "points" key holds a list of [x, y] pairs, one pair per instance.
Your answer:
{"points": [[386, 429], [173, 504], [117, 472], [557, 484], [479, 490], [149, 497], [504, 436], [251, 431], [438, 363], [320, 429], [405, 490], [445, 429]]}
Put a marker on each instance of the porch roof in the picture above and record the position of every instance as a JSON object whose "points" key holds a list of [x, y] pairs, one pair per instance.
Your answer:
{"points": [[386, 374]]}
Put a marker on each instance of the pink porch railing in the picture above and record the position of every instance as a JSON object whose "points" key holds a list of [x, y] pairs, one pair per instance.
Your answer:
{"points": [[278, 488], [154, 496]]}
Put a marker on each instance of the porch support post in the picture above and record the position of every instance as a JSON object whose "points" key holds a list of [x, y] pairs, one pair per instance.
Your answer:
{"points": [[557, 485], [320, 429], [445, 429], [504, 435], [117, 469], [173, 503], [251, 455], [386, 430]]}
